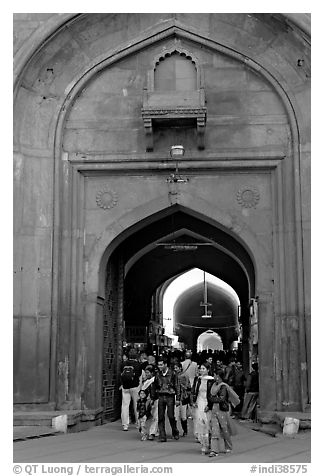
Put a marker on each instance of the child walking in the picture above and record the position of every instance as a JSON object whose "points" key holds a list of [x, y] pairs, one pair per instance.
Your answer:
{"points": [[143, 409]]}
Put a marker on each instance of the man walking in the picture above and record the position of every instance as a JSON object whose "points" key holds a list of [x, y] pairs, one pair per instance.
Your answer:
{"points": [[185, 390], [210, 361], [167, 388], [130, 380], [189, 368]]}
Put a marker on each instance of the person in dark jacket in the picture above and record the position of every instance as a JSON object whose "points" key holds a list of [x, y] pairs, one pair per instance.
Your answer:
{"points": [[144, 411], [251, 396], [229, 376], [185, 390], [152, 419], [130, 389], [167, 388], [238, 386], [210, 361]]}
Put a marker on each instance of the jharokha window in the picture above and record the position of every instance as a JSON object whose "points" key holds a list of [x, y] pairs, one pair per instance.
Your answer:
{"points": [[174, 96], [175, 72]]}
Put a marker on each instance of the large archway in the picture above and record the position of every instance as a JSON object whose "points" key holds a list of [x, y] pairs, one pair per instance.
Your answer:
{"points": [[143, 261]]}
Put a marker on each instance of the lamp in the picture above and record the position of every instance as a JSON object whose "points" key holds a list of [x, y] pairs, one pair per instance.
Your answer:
{"points": [[176, 152], [207, 314]]}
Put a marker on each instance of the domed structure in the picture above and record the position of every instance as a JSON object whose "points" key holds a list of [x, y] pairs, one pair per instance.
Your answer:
{"points": [[188, 312]]}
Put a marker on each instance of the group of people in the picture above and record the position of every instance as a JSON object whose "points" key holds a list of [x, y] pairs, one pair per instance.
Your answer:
{"points": [[206, 392]]}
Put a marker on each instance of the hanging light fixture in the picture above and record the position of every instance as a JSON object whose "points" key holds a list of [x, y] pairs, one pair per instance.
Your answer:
{"points": [[207, 314], [176, 152]]}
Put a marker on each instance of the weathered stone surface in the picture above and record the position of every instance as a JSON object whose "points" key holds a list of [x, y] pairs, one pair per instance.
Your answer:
{"points": [[31, 359]]}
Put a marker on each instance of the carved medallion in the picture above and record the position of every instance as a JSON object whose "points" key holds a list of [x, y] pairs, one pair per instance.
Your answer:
{"points": [[106, 198], [248, 197]]}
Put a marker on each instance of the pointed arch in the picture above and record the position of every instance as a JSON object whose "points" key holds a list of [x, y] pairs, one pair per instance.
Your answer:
{"points": [[152, 212]]}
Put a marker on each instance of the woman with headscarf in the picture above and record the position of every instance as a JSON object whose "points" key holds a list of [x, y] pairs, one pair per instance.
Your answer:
{"points": [[221, 424], [199, 403]]}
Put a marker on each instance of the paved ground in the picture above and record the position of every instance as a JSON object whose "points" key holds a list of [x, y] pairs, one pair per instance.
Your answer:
{"points": [[109, 444]]}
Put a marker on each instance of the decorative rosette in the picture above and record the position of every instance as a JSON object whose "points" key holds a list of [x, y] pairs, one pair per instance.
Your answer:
{"points": [[106, 198], [248, 197]]}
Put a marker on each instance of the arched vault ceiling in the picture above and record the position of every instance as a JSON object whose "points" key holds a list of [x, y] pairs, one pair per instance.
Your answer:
{"points": [[224, 307]]}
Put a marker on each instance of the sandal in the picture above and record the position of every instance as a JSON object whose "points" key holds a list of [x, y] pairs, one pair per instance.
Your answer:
{"points": [[212, 454]]}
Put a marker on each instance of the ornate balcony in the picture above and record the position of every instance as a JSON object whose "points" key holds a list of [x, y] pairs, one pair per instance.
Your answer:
{"points": [[174, 108]]}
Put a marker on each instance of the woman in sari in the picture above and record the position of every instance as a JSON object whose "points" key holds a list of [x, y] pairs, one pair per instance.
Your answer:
{"points": [[221, 424], [199, 403]]}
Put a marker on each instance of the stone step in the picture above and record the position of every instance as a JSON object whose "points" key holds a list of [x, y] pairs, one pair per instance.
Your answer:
{"points": [[21, 433], [305, 418], [43, 418], [77, 420]]}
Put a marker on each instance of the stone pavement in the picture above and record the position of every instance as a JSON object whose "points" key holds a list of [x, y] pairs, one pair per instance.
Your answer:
{"points": [[109, 444]]}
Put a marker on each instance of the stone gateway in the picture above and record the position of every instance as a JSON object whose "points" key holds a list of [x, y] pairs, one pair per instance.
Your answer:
{"points": [[99, 99]]}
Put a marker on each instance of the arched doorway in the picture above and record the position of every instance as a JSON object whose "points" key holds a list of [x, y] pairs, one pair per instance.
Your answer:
{"points": [[185, 300], [144, 260], [221, 302], [209, 340]]}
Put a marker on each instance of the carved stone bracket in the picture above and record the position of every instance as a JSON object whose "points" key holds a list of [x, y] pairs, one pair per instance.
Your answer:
{"points": [[201, 124], [148, 129]]}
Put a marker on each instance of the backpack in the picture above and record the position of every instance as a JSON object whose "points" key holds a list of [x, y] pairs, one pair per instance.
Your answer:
{"points": [[128, 377]]}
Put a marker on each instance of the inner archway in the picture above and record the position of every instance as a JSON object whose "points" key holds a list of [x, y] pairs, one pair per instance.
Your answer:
{"points": [[184, 309], [142, 262], [209, 340]]}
